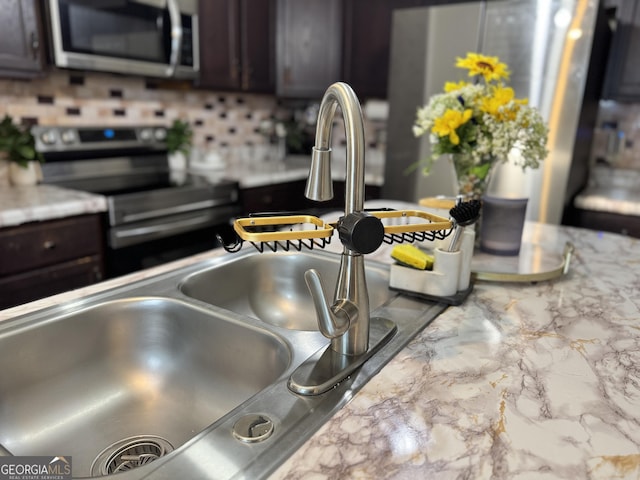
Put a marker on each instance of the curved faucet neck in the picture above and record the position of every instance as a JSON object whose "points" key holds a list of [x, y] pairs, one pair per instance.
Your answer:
{"points": [[341, 94]]}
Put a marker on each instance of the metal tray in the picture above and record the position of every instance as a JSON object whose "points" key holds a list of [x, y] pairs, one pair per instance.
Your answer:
{"points": [[535, 263]]}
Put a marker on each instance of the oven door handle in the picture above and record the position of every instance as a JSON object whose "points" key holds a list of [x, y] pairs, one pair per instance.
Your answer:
{"points": [[176, 36], [161, 212], [163, 229]]}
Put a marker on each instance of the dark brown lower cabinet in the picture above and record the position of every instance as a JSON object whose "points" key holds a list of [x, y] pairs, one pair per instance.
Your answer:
{"points": [[289, 196], [44, 258]]}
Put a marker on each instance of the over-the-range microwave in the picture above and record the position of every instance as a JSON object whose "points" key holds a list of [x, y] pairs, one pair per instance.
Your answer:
{"points": [[157, 38]]}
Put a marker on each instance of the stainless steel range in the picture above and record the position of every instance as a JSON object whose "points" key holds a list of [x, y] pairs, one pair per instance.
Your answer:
{"points": [[155, 215]]}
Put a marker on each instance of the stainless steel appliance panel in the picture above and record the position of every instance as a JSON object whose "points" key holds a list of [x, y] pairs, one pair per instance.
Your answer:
{"points": [[154, 214], [547, 45], [156, 38]]}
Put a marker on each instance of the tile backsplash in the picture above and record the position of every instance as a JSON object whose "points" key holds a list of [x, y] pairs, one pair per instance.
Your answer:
{"points": [[219, 119], [77, 98]]}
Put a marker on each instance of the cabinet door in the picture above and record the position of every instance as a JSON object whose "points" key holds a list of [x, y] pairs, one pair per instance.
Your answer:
{"points": [[367, 38], [308, 46], [43, 282], [287, 196], [290, 197], [257, 42], [20, 52], [237, 45], [622, 80], [40, 244], [219, 44]]}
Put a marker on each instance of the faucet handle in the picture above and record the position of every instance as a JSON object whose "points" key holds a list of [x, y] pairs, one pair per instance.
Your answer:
{"points": [[335, 320]]}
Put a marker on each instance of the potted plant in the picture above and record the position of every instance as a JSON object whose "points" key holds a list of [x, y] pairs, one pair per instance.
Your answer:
{"points": [[179, 138], [17, 146]]}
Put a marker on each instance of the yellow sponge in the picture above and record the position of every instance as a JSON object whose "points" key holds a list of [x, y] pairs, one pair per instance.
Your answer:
{"points": [[411, 256]]}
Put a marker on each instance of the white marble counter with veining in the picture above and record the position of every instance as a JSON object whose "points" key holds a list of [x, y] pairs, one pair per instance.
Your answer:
{"points": [[522, 381], [20, 205], [526, 381]]}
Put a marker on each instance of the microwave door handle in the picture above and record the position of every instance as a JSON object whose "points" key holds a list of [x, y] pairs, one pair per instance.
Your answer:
{"points": [[176, 36]]}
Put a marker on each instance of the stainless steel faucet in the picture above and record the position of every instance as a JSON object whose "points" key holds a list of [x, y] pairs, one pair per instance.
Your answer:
{"points": [[346, 321]]}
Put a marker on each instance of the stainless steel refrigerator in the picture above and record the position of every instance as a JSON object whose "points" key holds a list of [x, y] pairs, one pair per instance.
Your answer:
{"points": [[548, 47]]}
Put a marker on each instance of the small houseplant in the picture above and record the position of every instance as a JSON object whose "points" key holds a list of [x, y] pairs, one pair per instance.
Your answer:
{"points": [[17, 145], [479, 123], [179, 139]]}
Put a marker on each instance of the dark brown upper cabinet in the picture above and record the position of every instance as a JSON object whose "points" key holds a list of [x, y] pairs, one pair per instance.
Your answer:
{"points": [[308, 46], [237, 45], [367, 42], [622, 80], [20, 37], [323, 41], [367, 38]]}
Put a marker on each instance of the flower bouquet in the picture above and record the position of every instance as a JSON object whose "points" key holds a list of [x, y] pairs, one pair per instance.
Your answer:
{"points": [[480, 123]]}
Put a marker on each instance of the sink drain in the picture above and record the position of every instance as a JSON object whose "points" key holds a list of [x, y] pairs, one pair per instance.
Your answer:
{"points": [[130, 453]]}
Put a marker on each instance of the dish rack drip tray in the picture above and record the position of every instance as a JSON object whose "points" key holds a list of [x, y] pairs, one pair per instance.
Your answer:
{"points": [[297, 231]]}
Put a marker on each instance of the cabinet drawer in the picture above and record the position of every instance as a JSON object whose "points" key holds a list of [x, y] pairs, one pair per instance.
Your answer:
{"points": [[287, 196], [37, 245], [43, 282]]}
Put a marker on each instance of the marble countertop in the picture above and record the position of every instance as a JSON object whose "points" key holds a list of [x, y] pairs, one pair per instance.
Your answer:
{"points": [[249, 174], [520, 381], [612, 190], [20, 205]]}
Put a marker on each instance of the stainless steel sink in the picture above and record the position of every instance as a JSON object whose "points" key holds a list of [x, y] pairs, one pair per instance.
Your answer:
{"points": [[183, 375], [146, 367], [271, 287]]}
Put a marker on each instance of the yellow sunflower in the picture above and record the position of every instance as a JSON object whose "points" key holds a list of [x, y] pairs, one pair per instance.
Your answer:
{"points": [[502, 104], [453, 86], [489, 67], [500, 97], [447, 124]]}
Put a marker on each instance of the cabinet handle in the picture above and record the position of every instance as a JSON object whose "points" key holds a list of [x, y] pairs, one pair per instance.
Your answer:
{"points": [[246, 77], [49, 245], [287, 75], [35, 45], [97, 274], [235, 70]]}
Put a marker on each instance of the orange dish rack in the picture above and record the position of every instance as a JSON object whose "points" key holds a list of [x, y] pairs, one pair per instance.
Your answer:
{"points": [[297, 231]]}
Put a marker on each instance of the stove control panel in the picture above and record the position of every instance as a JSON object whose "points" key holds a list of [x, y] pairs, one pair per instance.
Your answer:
{"points": [[67, 139]]}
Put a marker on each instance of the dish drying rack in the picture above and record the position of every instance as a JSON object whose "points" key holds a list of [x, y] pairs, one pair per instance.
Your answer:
{"points": [[297, 231]]}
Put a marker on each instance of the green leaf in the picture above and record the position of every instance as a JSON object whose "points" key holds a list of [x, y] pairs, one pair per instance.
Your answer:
{"points": [[18, 142], [481, 171], [26, 152]]}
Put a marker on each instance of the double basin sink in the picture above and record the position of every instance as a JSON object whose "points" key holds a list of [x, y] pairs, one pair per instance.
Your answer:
{"points": [[184, 375]]}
